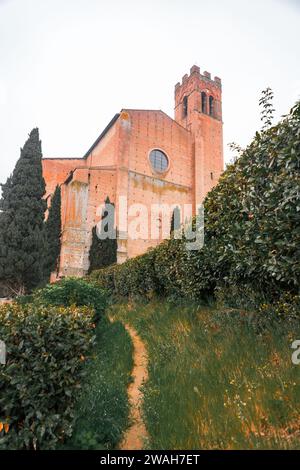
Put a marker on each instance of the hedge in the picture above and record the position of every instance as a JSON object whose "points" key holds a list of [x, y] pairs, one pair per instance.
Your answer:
{"points": [[46, 351], [252, 229], [72, 291]]}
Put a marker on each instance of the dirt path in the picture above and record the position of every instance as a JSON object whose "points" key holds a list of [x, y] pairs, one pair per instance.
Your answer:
{"points": [[136, 434]]}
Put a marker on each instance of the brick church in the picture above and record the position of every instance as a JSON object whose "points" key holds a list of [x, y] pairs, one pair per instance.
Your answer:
{"points": [[141, 157]]}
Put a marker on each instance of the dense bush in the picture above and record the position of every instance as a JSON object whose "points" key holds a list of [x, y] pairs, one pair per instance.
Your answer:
{"points": [[135, 277], [73, 291], [240, 297], [46, 350], [252, 229], [286, 308]]}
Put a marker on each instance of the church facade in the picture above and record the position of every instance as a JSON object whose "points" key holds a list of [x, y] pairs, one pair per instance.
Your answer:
{"points": [[142, 158]]}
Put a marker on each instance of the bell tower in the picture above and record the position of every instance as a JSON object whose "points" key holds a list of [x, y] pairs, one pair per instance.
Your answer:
{"points": [[198, 108]]}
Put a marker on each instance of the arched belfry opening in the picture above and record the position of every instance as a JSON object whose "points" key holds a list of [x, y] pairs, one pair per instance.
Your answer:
{"points": [[211, 106], [203, 102], [185, 106]]}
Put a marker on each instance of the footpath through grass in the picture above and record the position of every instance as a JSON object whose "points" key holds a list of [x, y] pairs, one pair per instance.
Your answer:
{"points": [[215, 380], [103, 410]]}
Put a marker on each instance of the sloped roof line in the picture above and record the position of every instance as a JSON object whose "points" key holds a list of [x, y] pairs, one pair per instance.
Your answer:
{"points": [[156, 111], [116, 117], [109, 125], [107, 128]]}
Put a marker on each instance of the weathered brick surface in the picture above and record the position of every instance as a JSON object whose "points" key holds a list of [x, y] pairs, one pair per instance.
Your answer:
{"points": [[119, 165]]}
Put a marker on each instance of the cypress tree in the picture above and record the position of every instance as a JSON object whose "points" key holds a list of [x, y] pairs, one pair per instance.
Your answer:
{"points": [[103, 251], [22, 234], [175, 221], [53, 232]]}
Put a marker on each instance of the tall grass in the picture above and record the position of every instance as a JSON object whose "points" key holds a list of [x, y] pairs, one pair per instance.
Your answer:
{"points": [[215, 381], [102, 410]]}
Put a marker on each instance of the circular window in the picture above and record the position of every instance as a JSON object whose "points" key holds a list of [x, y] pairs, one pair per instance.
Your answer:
{"points": [[159, 160]]}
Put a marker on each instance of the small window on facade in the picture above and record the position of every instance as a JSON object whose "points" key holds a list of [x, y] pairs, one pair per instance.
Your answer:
{"points": [[203, 102], [211, 176], [185, 106], [211, 105], [159, 161]]}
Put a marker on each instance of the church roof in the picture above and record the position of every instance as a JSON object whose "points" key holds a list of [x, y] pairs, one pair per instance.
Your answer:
{"points": [[109, 125], [116, 117]]}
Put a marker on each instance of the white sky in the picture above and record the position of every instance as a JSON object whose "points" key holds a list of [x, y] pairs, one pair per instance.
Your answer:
{"points": [[67, 66]]}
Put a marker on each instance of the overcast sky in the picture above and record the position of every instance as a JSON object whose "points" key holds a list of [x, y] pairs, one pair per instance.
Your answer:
{"points": [[67, 66]]}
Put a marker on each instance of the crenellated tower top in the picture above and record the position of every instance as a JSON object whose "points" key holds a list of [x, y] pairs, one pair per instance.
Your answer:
{"points": [[197, 93]]}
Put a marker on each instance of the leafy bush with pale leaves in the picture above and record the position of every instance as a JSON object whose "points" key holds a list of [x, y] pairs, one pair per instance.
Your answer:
{"points": [[46, 351]]}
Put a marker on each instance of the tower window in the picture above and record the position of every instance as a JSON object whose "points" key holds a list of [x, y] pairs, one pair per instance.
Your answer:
{"points": [[211, 175], [159, 160], [185, 106], [203, 102], [211, 105]]}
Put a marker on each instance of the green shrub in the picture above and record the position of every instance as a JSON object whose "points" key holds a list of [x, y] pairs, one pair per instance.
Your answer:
{"points": [[74, 291], [105, 277], [286, 308], [135, 278], [46, 350], [252, 230], [24, 299], [241, 297]]}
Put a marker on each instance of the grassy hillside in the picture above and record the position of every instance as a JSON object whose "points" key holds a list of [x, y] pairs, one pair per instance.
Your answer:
{"points": [[217, 378], [102, 412]]}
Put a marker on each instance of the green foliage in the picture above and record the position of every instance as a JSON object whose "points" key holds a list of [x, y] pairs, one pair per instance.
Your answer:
{"points": [[102, 410], [134, 278], [53, 233], [103, 251], [267, 107], [46, 351], [22, 237], [73, 291], [252, 229], [286, 308], [214, 383], [240, 296]]}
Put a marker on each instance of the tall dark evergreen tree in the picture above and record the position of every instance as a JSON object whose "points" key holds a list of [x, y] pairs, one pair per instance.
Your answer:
{"points": [[53, 232], [22, 233], [175, 220], [103, 251]]}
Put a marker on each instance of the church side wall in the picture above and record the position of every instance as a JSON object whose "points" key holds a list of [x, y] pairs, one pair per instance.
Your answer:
{"points": [[56, 171], [150, 130], [82, 200]]}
